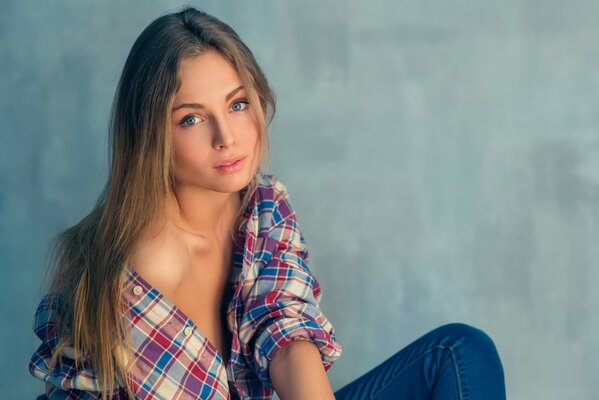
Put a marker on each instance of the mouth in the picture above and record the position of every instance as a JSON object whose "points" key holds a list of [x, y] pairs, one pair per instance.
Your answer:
{"points": [[229, 162]]}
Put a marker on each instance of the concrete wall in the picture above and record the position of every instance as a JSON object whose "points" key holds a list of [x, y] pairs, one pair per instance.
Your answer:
{"points": [[442, 158]]}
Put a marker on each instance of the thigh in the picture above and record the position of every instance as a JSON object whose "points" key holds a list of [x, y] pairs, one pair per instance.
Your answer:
{"points": [[453, 361], [408, 374]]}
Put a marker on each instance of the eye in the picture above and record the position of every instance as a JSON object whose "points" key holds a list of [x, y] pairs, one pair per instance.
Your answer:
{"points": [[240, 105], [189, 121]]}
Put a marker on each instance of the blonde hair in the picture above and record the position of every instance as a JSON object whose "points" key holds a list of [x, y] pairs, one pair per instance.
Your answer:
{"points": [[87, 260]]}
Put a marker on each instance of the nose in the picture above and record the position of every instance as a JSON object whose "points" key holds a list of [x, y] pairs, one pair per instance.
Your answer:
{"points": [[223, 134]]}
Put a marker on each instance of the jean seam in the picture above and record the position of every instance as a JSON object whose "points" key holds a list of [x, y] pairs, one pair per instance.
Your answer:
{"points": [[457, 372]]}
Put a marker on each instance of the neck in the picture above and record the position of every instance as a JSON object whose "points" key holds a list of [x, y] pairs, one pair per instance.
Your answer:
{"points": [[200, 212]]}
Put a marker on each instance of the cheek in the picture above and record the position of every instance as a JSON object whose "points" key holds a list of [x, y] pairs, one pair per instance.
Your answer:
{"points": [[189, 152], [252, 144], [255, 137], [251, 127]]}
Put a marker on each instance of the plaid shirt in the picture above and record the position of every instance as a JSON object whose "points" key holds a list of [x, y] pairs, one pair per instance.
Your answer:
{"points": [[275, 301]]}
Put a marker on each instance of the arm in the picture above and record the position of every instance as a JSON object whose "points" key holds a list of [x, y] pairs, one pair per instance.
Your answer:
{"points": [[282, 306], [297, 373]]}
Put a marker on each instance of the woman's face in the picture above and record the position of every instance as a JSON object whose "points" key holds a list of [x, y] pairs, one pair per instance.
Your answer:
{"points": [[212, 122]]}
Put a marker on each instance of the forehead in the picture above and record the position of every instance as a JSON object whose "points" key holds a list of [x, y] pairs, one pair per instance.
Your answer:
{"points": [[207, 76]]}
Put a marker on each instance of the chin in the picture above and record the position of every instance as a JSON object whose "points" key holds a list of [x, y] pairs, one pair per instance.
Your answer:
{"points": [[230, 183]]}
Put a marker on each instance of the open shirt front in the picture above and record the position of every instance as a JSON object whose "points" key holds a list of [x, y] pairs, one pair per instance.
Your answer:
{"points": [[275, 301]]}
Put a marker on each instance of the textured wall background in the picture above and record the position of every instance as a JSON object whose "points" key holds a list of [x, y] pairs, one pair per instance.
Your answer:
{"points": [[442, 159]]}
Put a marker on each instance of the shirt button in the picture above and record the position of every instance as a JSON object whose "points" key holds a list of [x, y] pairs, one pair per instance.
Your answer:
{"points": [[137, 290], [187, 331]]}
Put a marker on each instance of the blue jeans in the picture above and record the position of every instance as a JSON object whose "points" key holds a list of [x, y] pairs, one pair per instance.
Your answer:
{"points": [[453, 361]]}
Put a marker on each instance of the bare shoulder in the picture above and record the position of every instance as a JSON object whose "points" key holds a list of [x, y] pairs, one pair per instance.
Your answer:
{"points": [[161, 261]]}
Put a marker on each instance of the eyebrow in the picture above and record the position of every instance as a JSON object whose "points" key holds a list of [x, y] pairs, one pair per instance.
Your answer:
{"points": [[198, 105]]}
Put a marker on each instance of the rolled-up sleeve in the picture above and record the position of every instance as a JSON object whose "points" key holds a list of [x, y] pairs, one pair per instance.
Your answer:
{"points": [[284, 303]]}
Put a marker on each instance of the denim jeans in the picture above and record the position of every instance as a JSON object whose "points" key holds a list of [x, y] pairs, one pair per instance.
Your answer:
{"points": [[453, 361]]}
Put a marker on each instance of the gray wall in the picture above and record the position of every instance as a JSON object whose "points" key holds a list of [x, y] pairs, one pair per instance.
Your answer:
{"points": [[442, 158]]}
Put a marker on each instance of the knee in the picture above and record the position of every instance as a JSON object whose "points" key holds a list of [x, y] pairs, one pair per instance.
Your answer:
{"points": [[474, 348], [468, 335]]}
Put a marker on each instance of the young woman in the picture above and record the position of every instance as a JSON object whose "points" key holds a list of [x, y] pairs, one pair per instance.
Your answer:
{"points": [[190, 279]]}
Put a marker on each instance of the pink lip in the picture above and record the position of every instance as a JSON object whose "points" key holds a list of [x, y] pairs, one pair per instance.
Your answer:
{"points": [[228, 161], [232, 168]]}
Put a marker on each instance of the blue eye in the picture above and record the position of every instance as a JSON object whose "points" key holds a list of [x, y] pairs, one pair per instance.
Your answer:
{"points": [[188, 121], [236, 106]]}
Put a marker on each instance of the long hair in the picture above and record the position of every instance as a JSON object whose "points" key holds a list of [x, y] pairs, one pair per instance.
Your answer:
{"points": [[87, 260]]}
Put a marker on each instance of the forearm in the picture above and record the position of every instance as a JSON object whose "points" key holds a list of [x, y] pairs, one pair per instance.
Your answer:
{"points": [[297, 373]]}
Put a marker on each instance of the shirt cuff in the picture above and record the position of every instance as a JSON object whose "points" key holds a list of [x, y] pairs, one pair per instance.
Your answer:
{"points": [[286, 330]]}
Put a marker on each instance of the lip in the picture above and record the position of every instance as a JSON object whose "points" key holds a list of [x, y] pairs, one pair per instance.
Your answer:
{"points": [[229, 161]]}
